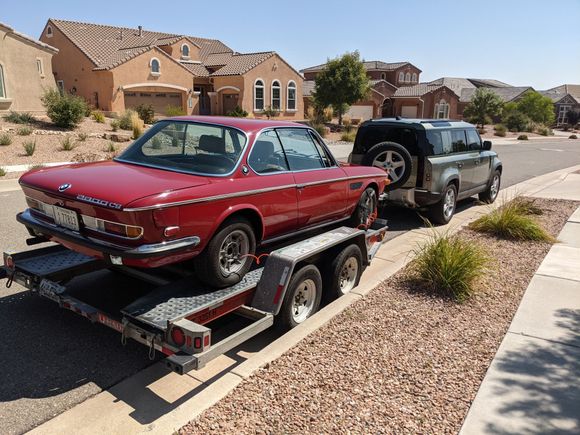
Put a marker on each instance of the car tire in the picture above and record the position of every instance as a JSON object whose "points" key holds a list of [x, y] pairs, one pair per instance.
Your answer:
{"points": [[366, 207], [343, 273], [229, 254], [302, 298], [490, 194], [441, 212], [392, 157]]}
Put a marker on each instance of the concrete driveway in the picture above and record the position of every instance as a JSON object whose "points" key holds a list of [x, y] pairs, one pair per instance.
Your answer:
{"points": [[54, 359]]}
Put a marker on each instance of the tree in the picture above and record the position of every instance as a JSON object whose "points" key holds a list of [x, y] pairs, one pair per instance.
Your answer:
{"points": [[537, 107], [342, 82], [484, 105]]}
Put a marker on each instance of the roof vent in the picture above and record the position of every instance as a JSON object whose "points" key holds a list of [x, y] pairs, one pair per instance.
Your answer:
{"points": [[140, 30]]}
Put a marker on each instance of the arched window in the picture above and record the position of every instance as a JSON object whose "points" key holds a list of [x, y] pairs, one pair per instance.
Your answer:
{"points": [[408, 77], [2, 87], [49, 32], [401, 77], [441, 110], [258, 95], [383, 76], [291, 96], [155, 66], [414, 79], [185, 50], [276, 95]]}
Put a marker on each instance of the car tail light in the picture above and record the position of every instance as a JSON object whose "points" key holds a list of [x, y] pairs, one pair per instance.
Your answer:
{"points": [[41, 207], [112, 228]]}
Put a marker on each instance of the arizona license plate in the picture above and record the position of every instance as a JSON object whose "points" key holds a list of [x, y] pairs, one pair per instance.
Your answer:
{"points": [[66, 218]]}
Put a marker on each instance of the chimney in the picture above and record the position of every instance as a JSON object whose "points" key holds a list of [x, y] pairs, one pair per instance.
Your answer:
{"points": [[140, 30]]}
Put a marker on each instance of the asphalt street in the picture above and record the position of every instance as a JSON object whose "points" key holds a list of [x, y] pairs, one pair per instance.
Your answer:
{"points": [[53, 359]]}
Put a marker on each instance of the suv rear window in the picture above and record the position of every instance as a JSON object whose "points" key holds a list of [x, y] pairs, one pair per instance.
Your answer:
{"points": [[370, 136]]}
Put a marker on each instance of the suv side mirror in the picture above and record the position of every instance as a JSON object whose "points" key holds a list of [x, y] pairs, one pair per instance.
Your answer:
{"points": [[487, 145]]}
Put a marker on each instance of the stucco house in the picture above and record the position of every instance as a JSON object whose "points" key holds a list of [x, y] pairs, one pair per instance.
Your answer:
{"points": [[25, 71], [115, 68], [565, 98], [385, 79]]}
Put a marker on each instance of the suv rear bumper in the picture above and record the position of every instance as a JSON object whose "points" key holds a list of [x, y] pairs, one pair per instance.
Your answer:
{"points": [[424, 197]]}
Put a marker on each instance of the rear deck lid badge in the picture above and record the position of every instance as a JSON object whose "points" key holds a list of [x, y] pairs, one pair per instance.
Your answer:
{"points": [[64, 187]]}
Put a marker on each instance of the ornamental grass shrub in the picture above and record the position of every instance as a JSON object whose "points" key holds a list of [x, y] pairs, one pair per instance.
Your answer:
{"points": [[20, 117], [67, 144], [29, 147], [24, 131], [5, 139], [500, 130]]}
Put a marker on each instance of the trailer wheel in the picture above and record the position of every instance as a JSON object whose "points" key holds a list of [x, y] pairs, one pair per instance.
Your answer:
{"points": [[302, 298], [344, 272]]}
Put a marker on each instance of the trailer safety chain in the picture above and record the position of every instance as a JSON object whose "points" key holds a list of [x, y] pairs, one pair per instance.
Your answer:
{"points": [[257, 258], [10, 279], [124, 335], [152, 349]]}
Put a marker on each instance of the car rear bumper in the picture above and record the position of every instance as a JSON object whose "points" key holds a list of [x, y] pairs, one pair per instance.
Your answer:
{"points": [[134, 252]]}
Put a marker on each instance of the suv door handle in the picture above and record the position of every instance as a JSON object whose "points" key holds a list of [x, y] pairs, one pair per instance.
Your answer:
{"points": [[459, 165]]}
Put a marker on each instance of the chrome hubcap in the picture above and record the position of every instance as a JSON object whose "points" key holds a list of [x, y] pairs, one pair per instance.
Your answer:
{"points": [[494, 188], [233, 252], [303, 300], [348, 275], [392, 162], [449, 204]]}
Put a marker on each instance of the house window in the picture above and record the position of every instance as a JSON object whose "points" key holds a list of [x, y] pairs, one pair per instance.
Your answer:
{"points": [[383, 76], [408, 77], [258, 95], [2, 86], [414, 78], [401, 77], [441, 110], [40, 67], [49, 32], [291, 97], [563, 114], [185, 50], [155, 66], [276, 95]]}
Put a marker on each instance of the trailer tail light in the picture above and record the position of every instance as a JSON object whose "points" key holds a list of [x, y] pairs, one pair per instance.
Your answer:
{"points": [[9, 261], [189, 337]]}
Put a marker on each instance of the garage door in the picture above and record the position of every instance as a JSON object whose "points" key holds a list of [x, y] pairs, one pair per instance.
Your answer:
{"points": [[360, 112], [159, 100], [409, 111]]}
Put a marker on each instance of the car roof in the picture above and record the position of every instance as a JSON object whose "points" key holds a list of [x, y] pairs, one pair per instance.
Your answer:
{"points": [[426, 124], [244, 124]]}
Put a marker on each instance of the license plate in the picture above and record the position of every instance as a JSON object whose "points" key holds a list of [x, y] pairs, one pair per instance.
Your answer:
{"points": [[66, 218]]}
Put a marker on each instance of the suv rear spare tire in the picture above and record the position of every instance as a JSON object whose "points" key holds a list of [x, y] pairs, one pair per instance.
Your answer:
{"points": [[394, 159]]}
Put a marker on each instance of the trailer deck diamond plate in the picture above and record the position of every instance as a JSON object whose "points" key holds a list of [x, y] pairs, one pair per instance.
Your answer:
{"points": [[178, 300]]}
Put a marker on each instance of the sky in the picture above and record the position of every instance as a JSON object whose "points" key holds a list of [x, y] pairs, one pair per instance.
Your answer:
{"points": [[524, 43]]}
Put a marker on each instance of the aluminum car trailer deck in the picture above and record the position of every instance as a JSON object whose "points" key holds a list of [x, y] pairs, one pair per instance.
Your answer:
{"points": [[170, 315]]}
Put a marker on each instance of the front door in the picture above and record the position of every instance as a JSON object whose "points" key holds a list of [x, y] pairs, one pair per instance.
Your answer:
{"points": [[321, 185], [230, 102]]}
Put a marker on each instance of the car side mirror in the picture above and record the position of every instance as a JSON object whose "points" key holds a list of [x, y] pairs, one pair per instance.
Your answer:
{"points": [[487, 145]]}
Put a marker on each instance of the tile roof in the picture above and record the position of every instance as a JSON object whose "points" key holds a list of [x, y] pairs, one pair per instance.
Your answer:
{"points": [[507, 94], [489, 83], [242, 63], [417, 90], [373, 64], [197, 69], [218, 59], [559, 92], [27, 38], [456, 84]]}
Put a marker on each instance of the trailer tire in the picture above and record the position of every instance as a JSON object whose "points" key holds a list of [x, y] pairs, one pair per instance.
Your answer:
{"points": [[343, 272], [302, 298]]}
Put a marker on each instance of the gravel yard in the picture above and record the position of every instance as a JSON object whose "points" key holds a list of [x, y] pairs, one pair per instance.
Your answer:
{"points": [[397, 361]]}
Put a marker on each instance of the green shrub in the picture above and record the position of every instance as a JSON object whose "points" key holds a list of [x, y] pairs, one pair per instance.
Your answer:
{"points": [[348, 136], [320, 129], [146, 113], [24, 131], [572, 136], [126, 119], [156, 143], [20, 118], [270, 112], [500, 130], [83, 136], [545, 131], [29, 147], [65, 110], [67, 144], [98, 116], [5, 139], [2, 172], [516, 121], [523, 137], [513, 221], [114, 125], [450, 265], [238, 112], [174, 111], [110, 148]]}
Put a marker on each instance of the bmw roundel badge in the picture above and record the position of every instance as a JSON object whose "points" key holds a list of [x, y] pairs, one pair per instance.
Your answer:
{"points": [[64, 187]]}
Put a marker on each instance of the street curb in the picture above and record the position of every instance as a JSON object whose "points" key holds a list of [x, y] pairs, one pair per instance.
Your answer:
{"points": [[374, 275]]}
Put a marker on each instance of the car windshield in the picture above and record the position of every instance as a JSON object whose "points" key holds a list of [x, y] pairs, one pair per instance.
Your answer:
{"points": [[187, 147]]}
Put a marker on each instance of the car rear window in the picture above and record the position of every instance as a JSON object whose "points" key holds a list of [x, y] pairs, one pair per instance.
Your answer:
{"points": [[372, 135], [188, 147]]}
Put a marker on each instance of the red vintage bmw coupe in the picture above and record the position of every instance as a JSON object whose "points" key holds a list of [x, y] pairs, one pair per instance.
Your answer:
{"points": [[205, 187]]}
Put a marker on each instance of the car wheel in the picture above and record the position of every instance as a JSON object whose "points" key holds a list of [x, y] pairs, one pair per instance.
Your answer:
{"points": [[492, 191], [394, 159], [302, 298], [442, 212], [228, 255], [343, 273], [365, 209]]}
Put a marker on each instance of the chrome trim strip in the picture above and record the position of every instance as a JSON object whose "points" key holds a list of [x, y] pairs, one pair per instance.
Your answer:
{"points": [[155, 248]]}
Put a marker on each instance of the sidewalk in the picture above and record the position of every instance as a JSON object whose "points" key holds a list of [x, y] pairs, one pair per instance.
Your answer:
{"points": [[533, 383]]}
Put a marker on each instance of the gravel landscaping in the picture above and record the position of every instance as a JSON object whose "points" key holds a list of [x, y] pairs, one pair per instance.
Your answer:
{"points": [[398, 361]]}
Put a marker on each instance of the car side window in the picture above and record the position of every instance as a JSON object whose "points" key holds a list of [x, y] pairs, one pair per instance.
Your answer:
{"points": [[326, 157], [267, 154], [473, 140], [440, 142], [458, 140], [300, 149]]}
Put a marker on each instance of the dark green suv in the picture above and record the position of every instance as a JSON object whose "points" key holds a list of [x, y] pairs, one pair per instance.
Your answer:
{"points": [[431, 163]]}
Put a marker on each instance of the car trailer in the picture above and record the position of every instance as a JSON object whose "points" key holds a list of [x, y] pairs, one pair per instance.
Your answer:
{"points": [[172, 317]]}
